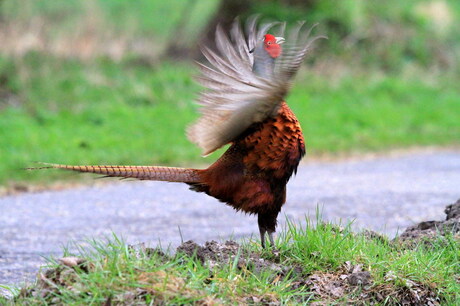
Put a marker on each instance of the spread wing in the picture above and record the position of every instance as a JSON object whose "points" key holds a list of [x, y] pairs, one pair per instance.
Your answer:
{"points": [[234, 97]]}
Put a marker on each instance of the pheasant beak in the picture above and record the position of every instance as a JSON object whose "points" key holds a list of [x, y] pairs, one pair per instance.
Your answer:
{"points": [[280, 40]]}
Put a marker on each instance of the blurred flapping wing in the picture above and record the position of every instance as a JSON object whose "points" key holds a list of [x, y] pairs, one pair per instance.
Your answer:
{"points": [[234, 97]]}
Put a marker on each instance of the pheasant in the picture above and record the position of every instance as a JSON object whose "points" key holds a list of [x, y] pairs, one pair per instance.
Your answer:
{"points": [[243, 105]]}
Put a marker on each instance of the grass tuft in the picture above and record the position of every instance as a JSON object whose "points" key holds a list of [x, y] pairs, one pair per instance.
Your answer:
{"points": [[325, 263]]}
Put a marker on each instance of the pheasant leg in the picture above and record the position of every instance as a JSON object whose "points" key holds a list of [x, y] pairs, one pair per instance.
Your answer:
{"points": [[272, 241], [267, 225], [262, 231]]}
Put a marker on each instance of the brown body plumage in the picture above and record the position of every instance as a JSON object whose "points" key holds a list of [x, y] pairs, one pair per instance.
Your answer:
{"points": [[252, 174], [242, 105]]}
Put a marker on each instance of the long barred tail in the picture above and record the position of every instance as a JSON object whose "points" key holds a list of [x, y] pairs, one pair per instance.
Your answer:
{"points": [[154, 173]]}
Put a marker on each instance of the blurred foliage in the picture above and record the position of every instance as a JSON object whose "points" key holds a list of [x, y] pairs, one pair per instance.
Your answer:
{"points": [[141, 17], [88, 29], [382, 34]]}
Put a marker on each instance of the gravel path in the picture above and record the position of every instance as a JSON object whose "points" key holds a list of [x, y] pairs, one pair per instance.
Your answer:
{"points": [[383, 194]]}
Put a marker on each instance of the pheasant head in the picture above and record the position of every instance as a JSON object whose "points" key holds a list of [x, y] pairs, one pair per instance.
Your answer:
{"points": [[265, 54], [272, 45]]}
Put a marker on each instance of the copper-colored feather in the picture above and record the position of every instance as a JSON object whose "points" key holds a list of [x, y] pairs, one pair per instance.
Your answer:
{"points": [[242, 103]]}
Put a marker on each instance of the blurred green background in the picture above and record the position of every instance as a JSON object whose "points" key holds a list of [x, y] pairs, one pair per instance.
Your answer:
{"points": [[110, 81]]}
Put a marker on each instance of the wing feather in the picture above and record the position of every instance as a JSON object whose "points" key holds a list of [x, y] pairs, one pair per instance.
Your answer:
{"points": [[234, 97]]}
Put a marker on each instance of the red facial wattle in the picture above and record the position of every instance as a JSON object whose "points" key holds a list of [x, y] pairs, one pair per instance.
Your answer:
{"points": [[271, 46]]}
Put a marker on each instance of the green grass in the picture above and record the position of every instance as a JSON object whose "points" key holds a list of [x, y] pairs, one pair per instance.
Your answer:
{"points": [[103, 112], [309, 256], [360, 114]]}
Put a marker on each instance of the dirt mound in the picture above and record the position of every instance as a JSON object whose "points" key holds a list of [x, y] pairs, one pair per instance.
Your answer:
{"points": [[215, 254], [350, 283], [428, 230]]}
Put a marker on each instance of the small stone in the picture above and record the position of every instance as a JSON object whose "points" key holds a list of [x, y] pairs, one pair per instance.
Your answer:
{"points": [[71, 261], [359, 278]]}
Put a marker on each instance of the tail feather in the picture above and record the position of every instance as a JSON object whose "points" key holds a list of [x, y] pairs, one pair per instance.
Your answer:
{"points": [[154, 173]]}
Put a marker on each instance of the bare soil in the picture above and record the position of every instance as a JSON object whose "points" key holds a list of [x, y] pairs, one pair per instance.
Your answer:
{"points": [[429, 230]]}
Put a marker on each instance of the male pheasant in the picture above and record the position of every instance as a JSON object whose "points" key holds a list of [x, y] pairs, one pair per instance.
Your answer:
{"points": [[242, 105]]}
